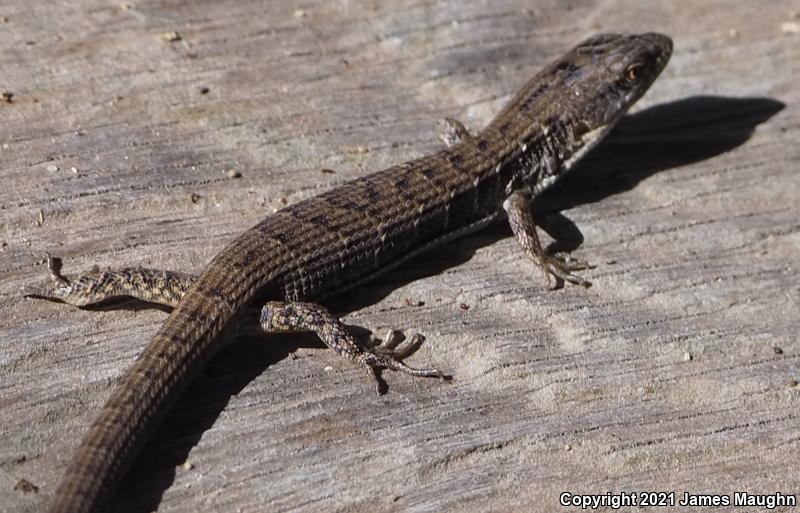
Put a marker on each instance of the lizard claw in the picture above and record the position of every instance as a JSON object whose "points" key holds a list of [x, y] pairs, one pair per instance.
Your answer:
{"points": [[560, 267], [389, 355]]}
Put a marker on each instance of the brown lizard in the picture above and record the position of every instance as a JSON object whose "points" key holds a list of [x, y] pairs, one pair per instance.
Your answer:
{"points": [[339, 239]]}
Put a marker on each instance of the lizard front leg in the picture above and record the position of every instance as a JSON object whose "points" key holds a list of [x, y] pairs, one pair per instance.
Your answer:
{"points": [[517, 206], [282, 317], [97, 285], [452, 132]]}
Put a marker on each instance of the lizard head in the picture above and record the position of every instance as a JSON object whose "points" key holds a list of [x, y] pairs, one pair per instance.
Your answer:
{"points": [[613, 71], [597, 82], [565, 110]]}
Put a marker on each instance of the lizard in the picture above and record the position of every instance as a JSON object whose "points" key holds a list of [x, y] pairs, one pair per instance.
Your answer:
{"points": [[318, 247]]}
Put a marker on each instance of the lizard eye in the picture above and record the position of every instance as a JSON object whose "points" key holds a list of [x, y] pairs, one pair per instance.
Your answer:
{"points": [[633, 73]]}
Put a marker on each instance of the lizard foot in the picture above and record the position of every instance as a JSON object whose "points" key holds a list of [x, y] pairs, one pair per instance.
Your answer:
{"points": [[561, 265], [278, 316]]}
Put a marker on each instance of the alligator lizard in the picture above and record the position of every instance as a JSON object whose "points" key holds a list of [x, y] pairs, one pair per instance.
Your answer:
{"points": [[323, 245]]}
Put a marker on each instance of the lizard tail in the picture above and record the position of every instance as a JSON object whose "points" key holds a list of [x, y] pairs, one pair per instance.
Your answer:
{"points": [[136, 406], [188, 337]]}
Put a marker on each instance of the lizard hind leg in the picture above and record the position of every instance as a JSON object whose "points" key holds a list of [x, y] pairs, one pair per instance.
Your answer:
{"points": [[283, 317], [97, 285]]}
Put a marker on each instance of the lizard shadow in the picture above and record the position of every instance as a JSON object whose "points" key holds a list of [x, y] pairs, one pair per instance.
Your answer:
{"points": [[662, 137]]}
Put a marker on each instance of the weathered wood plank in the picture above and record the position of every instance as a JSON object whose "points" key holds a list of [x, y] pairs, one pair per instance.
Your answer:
{"points": [[677, 371]]}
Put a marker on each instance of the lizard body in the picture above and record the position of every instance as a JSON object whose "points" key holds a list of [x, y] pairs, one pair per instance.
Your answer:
{"points": [[331, 242]]}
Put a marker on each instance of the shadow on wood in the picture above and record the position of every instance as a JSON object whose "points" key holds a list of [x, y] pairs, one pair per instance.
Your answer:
{"points": [[662, 137]]}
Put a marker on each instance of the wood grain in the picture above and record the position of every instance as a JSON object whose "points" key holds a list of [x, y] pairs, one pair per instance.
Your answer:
{"points": [[677, 370]]}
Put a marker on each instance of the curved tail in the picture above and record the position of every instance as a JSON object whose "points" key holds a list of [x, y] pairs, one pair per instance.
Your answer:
{"points": [[139, 401]]}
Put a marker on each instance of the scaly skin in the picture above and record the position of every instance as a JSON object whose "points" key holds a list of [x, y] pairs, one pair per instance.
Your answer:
{"points": [[343, 237]]}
